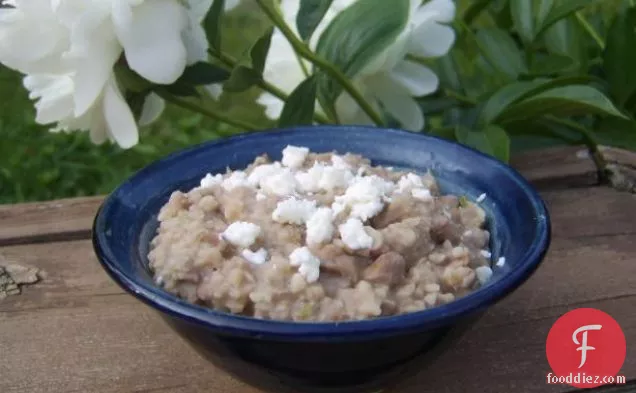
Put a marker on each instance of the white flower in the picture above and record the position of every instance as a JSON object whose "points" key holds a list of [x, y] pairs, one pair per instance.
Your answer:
{"points": [[390, 81], [68, 59]]}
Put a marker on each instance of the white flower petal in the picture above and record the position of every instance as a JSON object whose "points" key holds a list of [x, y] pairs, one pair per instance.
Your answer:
{"points": [[273, 105], [435, 10], [98, 131], [397, 101], [431, 40], [152, 109], [152, 43], [214, 90], [120, 121], [54, 94], [417, 79], [94, 67], [194, 37]]}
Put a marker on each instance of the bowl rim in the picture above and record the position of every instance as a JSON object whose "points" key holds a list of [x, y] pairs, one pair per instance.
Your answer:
{"points": [[233, 324]]}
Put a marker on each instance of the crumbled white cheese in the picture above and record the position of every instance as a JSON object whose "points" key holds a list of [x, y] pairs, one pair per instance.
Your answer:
{"points": [[320, 226], [282, 183], [486, 254], [365, 196], [256, 257], [309, 181], [260, 196], [354, 236], [483, 273], [366, 189], [409, 181], [339, 162], [241, 234], [361, 171], [333, 178], [264, 171], [294, 156], [236, 179], [294, 211], [308, 264], [337, 208], [323, 177], [501, 262], [422, 194], [211, 181], [481, 198], [367, 210]]}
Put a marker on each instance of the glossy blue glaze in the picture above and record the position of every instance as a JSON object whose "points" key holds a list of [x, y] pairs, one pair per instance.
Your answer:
{"points": [[358, 356]]}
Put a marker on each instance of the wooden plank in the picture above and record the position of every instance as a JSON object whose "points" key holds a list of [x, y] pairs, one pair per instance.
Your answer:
{"points": [[105, 341], [71, 219], [64, 219], [557, 168]]}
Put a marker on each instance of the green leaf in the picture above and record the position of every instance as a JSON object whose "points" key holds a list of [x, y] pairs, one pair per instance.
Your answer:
{"points": [[212, 24], [309, 16], [259, 51], [201, 73], [299, 108], [616, 132], [566, 38], [241, 79], [474, 9], [563, 101], [501, 52], [443, 132], [447, 72], [182, 90], [560, 10], [492, 140], [523, 17], [357, 36], [515, 92], [551, 64], [619, 59], [544, 8]]}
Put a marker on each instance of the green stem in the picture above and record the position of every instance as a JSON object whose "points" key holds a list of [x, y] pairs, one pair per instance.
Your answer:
{"points": [[206, 111], [230, 62], [460, 97], [590, 30], [324, 65]]}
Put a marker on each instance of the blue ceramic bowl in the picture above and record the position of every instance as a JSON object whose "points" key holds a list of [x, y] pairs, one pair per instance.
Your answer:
{"points": [[356, 356]]}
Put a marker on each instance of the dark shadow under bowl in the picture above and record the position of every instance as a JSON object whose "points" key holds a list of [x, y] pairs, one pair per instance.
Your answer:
{"points": [[357, 356]]}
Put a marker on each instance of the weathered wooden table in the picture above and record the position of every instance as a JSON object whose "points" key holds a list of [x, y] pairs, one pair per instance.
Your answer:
{"points": [[76, 331]]}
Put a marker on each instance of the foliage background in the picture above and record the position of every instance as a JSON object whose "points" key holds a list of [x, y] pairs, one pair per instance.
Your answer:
{"points": [[37, 165]]}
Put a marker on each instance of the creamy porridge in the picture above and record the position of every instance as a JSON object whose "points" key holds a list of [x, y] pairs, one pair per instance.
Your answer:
{"points": [[319, 237]]}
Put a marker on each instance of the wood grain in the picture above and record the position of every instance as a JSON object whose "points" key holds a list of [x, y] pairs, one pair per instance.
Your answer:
{"points": [[64, 219], [71, 219], [77, 332]]}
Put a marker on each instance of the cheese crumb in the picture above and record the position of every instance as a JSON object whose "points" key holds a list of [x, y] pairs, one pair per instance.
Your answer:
{"points": [[236, 179], [260, 196], [262, 172], [483, 273], [320, 226], [354, 236], [409, 181], [294, 211], [339, 162], [486, 254], [241, 234], [308, 264], [501, 262], [422, 194], [282, 183], [366, 211], [294, 156], [255, 257], [323, 177], [481, 198], [211, 181], [337, 208]]}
